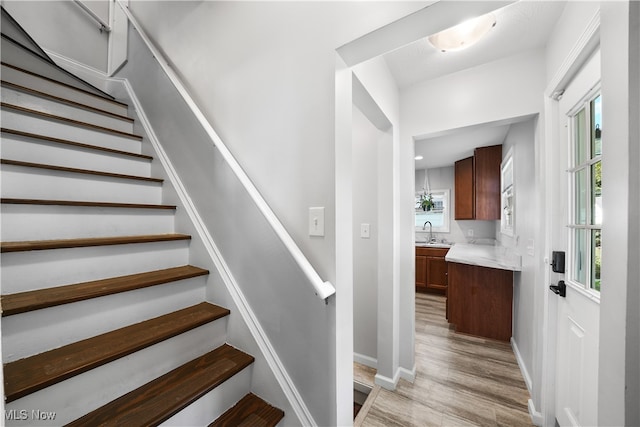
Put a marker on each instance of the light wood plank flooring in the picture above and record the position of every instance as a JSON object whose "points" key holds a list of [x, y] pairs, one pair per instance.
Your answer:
{"points": [[460, 380]]}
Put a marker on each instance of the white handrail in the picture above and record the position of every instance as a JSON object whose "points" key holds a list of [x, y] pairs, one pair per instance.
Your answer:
{"points": [[103, 25], [323, 289]]}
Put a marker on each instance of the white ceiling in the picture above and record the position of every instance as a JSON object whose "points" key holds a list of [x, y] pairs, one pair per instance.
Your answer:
{"points": [[457, 145], [520, 26], [527, 22], [445, 148]]}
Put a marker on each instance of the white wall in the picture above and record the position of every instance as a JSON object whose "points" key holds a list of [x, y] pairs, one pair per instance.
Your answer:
{"points": [[76, 34], [618, 391], [521, 138], [618, 394], [366, 138], [395, 313], [264, 75], [500, 90], [633, 301], [570, 26], [442, 179]]}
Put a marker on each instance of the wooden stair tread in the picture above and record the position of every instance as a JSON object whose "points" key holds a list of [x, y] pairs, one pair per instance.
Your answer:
{"points": [[74, 143], [70, 121], [41, 94], [250, 411], [68, 86], [37, 245], [44, 202], [76, 170], [23, 302], [165, 396], [34, 373]]}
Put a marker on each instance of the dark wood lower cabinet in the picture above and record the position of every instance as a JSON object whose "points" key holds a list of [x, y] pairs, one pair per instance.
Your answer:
{"points": [[431, 269], [421, 271], [479, 300]]}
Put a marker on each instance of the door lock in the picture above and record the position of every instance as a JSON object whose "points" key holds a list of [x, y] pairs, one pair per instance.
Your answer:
{"points": [[559, 289]]}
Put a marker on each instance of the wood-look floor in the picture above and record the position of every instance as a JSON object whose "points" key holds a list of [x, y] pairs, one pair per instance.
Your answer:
{"points": [[460, 380]]}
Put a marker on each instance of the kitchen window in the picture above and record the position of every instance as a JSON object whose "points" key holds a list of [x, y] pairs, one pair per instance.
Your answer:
{"points": [[507, 196], [585, 176], [432, 206]]}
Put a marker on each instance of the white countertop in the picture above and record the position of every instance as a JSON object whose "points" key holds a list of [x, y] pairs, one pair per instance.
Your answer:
{"points": [[490, 256]]}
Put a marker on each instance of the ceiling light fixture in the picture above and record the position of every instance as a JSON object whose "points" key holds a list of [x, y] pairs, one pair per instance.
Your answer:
{"points": [[463, 35], [419, 157]]}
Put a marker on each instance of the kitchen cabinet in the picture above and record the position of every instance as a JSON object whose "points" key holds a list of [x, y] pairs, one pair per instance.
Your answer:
{"points": [[464, 186], [487, 162], [431, 269], [421, 271], [477, 184], [480, 300]]}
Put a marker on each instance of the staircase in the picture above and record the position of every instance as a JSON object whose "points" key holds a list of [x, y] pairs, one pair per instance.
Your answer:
{"points": [[104, 321]]}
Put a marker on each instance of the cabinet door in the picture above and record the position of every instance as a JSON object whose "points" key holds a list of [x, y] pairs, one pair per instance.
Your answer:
{"points": [[487, 182], [480, 300], [421, 272], [436, 272], [464, 189]]}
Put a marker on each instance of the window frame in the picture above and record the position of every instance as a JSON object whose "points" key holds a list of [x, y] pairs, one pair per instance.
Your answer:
{"points": [[508, 190], [446, 226], [572, 173]]}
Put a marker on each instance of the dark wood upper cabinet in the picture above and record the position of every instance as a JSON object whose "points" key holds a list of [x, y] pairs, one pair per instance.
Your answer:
{"points": [[487, 185], [464, 189], [477, 184]]}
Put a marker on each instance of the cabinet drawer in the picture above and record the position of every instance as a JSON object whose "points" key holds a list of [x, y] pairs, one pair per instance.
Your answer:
{"points": [[438, 252]]}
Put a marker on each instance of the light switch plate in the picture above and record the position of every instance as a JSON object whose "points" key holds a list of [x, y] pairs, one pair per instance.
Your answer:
{"points": [[365, 231], [531, 250], [316, 221]]}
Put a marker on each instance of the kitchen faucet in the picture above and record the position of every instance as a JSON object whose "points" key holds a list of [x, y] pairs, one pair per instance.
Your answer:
{"points": [[424, 226]]}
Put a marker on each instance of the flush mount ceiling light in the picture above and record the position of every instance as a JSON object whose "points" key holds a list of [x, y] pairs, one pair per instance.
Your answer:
{"points": [[419, 157], [463, 35]]}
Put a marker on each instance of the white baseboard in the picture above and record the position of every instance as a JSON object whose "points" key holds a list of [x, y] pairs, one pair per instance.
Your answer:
{"points": [[91, 75], [386, 382], [259, 335], [536, 417], [523, 367], [409, 375], [365, 360]]}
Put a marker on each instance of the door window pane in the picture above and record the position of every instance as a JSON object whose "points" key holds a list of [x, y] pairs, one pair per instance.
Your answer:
{"points": [[596, 193], [586, 192], [596, 127], [581, 196], [580, 131], [596, 251], [580, 252]]}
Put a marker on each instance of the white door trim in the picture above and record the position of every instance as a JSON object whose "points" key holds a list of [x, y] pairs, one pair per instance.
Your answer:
{"points": [[580, 52]]}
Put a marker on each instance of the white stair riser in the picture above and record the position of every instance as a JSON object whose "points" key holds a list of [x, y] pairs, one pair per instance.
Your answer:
{"points": [[81, 394], [215, 403], [25, 271], [35, 150], [47, 105], [33, 183], [26, 334], [37, 222], [14, 55], [43, 85], [13, 119]]}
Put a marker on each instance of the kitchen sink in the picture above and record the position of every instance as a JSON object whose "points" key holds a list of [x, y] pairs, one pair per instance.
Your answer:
{"points": [[434, 244]]}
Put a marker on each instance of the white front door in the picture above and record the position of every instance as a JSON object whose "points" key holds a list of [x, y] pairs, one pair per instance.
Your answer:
{"points": [[577, 231]]}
